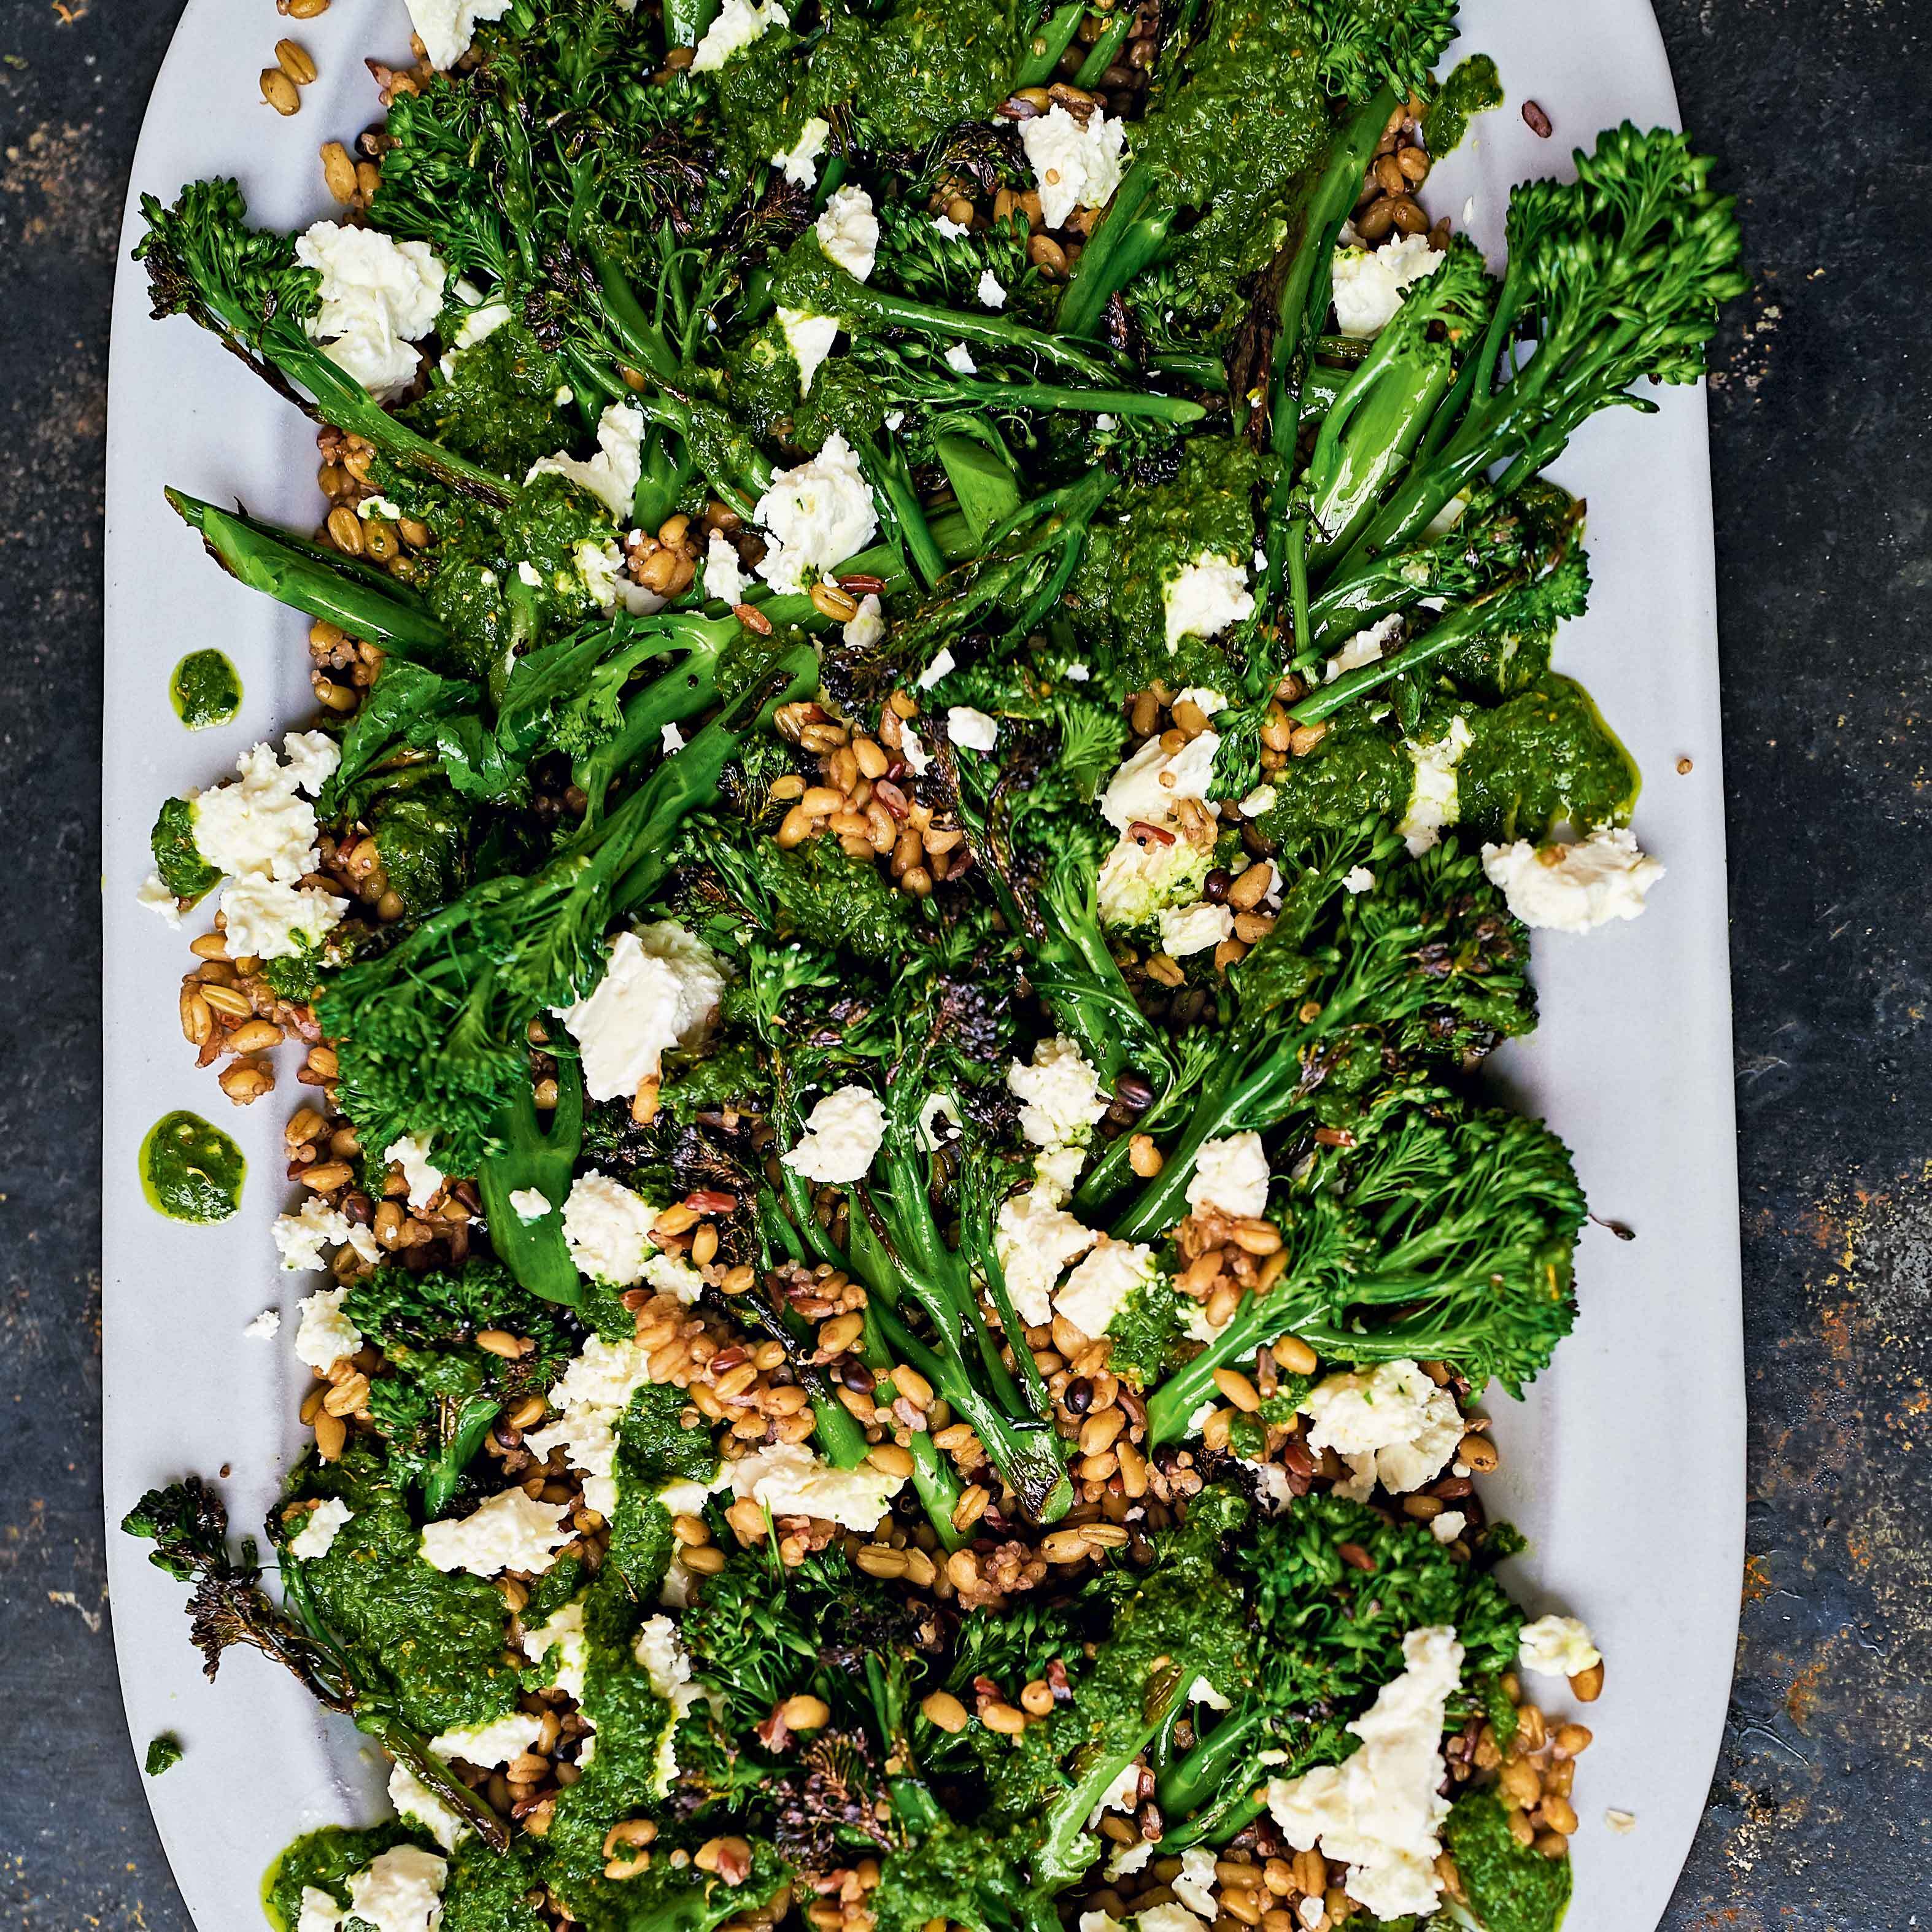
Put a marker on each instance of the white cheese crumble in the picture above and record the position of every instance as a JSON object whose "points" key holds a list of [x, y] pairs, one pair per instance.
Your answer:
{"points": [[1379, 1811], [1432, 802], [1261, 799], [378, 296], [607, 1230], [912, 748], [1231, 1174], [563, 1637], [817, 515], [610, 476], [1061, 1100], [950, 229], [1170, 1917], [789, 1481], [865, 626], [446, 27], [940, 667], [848, 232], [1076, 166], [400, 1891], [1137, 882], [1094, 1293], [1194, 1884], [320, 1913], [1365, 647], [725, 577], [1356, 879], [325, 1334], [671, 739], [1576, 887], [491, 1744], [415, 1801], [842, 1134], [1034, 1239], [530, 1204], [262, 826], [265, 1326], [420, 1174], [991, 291], [799, 162], [1369, 282], [1195, 929], [510, 1532], [1148, 785], [316, 1537], [1448, 1524], [660, 990], [274, 921], [810, 338], [1558, 1647], [153, 895], [1390, 1424], [738, 23], [972, 730], [1206, 598], [959, 359], [599, 568], [301, 1237]]}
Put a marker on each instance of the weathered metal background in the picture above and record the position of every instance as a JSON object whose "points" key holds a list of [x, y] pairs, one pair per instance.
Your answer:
{"points": [[1821, 1813]]}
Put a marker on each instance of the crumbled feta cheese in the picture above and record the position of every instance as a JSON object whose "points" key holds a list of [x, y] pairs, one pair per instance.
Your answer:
{"points": [[1358, 879], [1369, 282], [607, 1230], [1576, 887], [912, 748], [657, 1647], [1379, 1811], [1148, 785], [1125, 1859], [991, 291], [1195, 929], [1102, 1921], [301, 1237], [446, 27], [378, 296], [1432, 802], [799, 162], [488, 1745], [420, 1174], [959, 359], [378, 506], [810, 338], [738, 23], [1059, 1094], [604, 1375], [1093, 1293], [610, 476], [316, 1537], [528, 575], [320, 1913], [1272, 1488], [261, 827], [1170, 1917], [1078, 673], [1194, 1884], [939, 667], [510, 1532], [563, 1636], [1231, 1174], [152, 893], [1261, 799], [950, 229], [530, 1204], [848, 232], [1121, 1795], [1448, 1524], [1202, 1692], [865, 626], [588, 1437], [1035, 1238], [1390, 1424], [1365, 647], [1076, 166], [1058, 1169], [842, 1134], [660, 990], [789, 1481], [972, 730], [418, 1805], [325, 1334], [265, 1326], [1446, 519], [400, 1891], [1208, 596], [1558, 1647], [817, 515], [725, 578], [274, 921], [671, 740], [598, 568], [480, 324], [1137, 881]]}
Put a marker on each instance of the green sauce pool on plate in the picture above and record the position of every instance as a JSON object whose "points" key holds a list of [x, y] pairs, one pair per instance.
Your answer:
{"points": [[191, 1171], [205, 689]]}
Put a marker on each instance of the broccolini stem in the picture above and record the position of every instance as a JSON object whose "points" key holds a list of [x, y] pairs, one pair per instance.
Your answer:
{"points": [[1053, 37]]}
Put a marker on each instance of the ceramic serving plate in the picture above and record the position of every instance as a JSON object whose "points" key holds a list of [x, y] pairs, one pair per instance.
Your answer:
{"points": [[1625, 1468]]}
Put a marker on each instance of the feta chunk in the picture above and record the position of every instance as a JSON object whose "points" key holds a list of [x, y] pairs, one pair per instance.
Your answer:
{"points": [[1369, 282], [1171, 1917], [1076, 166], [1194, 1886], [1379, 1812], [842, 1134], [738, 23], [316, 1537], [789, 1481], [1260, 800], [817, 515], [1149, 784], [670, 740], [400, 1891], [959, 359], [1390, 1424], [991, 291], [1448, 1525], [1034, 1239], [153, 895], [378, 297], [610, 476], [607, 1230], [446, 27], [1365, 647], [1095, 1292], [950, 229], [1432, 802], [320, 1913], [1577, 887], [420, 1174], [274, 921], [416, 1803], [1357, 879], [725, 577], [660, 990], [1558, 1647], [1231, 1174], [865, 626], [1195, 928], [799, 162], [810, 338], [1060, 1097], [561, 1637], [262, 827], [939, 667], [1208, 596], [598, 570], [972, 730], [325, 1334], [265, 1326], [1139, 879], [848, 232], [301, 1237], [491, 1744], [510, 1532], [530, 1204]]}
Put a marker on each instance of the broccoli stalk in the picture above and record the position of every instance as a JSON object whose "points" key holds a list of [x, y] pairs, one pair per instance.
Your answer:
{"points": [[187, 1523], [533, 1155]]}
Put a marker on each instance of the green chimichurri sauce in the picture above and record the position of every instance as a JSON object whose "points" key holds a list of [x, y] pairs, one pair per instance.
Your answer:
{"points": [[205, 689], [191, 1171], [1474, 87]]}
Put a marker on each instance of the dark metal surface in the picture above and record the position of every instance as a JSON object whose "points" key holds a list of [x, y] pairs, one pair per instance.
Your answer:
{"points": [[1818, 1815]]}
